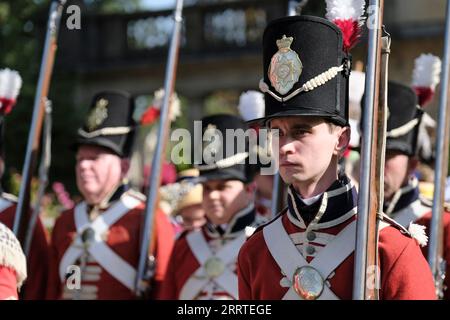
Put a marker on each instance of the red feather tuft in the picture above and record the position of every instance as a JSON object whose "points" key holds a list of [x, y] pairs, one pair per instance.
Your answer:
{"points": [[150, 116], [6, 105], [351, 31], [425, 95]]}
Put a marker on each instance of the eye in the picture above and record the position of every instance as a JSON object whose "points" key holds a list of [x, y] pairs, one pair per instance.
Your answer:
{"points": [[276, 133], [297, 133]]}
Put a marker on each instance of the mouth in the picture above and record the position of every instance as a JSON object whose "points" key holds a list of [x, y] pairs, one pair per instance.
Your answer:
{"points": [[287, 164]]}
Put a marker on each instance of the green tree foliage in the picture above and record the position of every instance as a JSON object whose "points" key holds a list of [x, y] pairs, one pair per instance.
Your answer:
{"points": [[22, 31]]}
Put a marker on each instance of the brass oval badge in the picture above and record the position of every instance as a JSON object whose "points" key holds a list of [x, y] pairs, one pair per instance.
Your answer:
{"points": [[214, 267], [308, 283]]}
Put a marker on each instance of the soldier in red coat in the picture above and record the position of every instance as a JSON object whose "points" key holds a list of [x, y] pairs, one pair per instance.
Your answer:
{"points": [[203, 262], [95, 246], [401, 192], [307, 251], [37, 262], [13, 269]]}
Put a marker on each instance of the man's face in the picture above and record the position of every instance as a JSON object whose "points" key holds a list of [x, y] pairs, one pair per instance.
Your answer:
{"points": [[222, 199], [98, 172], [397, 169], [306, 148], [193, 217]]}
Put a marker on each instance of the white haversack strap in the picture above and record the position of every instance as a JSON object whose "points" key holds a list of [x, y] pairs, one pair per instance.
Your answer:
{"points": [[289, 259], [103, 254], [228, 254], [4, 204], [411, 213]]}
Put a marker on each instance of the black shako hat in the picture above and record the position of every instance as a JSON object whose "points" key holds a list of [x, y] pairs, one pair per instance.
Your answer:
{"points": [[306, 70], [225, 153], [404, 118], [109, 123]]}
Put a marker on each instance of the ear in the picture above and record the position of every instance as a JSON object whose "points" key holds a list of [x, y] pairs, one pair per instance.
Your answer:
{"points": [[343, 140], [413, 162], [125, 166], [250, 187]]}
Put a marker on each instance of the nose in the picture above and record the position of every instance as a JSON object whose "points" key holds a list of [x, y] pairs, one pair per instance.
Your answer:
{"points": [[286, 146], [213, 195], [84, 164]]}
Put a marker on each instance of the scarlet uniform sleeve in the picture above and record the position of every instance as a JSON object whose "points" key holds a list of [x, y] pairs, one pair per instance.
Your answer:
{"points": [[168, 289], [242, 271], [35, 287], [53, 291], [165, 239], [405, 272], [8, 286], [447, 254], [37, 262]]}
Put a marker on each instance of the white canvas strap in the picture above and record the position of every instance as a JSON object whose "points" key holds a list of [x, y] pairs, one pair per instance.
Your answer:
{"points": [[327, 260], [102, 253], [4, 204], [411, 213], [202, 252]]}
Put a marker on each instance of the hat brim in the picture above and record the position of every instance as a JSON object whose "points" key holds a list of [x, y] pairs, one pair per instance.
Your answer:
{"points": [[100, 142], [222, 174], [303, 113]]}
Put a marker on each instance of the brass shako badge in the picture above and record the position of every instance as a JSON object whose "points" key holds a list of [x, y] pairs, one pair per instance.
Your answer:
{"points": [[97, 115], [285, 66]]}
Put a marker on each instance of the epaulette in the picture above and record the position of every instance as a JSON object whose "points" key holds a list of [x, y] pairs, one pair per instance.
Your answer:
{"points": [[9, 197], [414, 231], [266, 223], [11, 254], [136, 194]]}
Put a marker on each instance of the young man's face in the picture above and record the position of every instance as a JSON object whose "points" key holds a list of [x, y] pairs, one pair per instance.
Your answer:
{"points": [[397, 170], [307, 146], [98, 172], [222, 199]]}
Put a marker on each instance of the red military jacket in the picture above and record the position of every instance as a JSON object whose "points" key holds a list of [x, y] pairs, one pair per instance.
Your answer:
{"points": [[13, 270], [404, 271], [412, 208], [191, 277], [108, 267], [37, 262]]}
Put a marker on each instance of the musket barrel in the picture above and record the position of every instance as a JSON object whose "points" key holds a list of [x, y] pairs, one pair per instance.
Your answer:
{"points": [[34, 136], [442, 147], [371, 96], [163, 131]]}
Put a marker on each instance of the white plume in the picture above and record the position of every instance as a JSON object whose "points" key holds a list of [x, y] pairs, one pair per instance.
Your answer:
{"points": [[10, 84], [251, 105], [356, 86], [175, 109], [417, 231], [345, 9], [424, 140], [427, 70]]}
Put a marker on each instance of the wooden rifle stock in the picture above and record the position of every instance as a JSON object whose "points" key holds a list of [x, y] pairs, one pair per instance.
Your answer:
{"points": [[365, 281], [22, 215]]}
